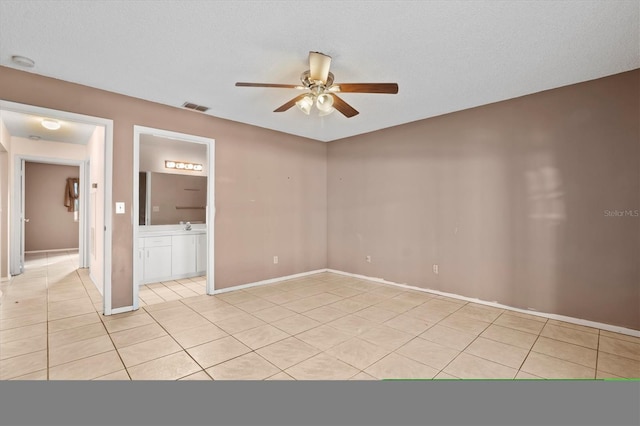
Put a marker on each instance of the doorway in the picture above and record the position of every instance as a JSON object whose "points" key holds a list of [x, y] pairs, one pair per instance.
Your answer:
{"points": [[95, 171], [179, 244]]}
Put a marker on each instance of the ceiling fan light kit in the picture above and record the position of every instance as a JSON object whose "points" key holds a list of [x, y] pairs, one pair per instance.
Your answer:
{"points": [[318, 81]]}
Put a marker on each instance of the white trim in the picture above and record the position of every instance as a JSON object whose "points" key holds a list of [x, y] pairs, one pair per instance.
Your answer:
{"points": [[572, 320], [108, 176], [52, 250], [210, 211], [93, 280], [121, 310], [269, 281]]}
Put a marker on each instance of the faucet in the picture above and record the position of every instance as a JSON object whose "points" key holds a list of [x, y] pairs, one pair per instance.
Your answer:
{"points": [[187, 226]]}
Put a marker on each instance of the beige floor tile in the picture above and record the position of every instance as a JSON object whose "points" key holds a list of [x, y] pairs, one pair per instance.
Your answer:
{"points": [[352, 324], [574, 326], [480, 312], [199, 335], [428, 353], [37, 375], [21, 333], [200, 375], [349, 306], [78, 350], [363, 376], [280, 376], [136, 335], [310, 289], [147, 351], [605, 375], [240, 323], [554, 368], [70, 308], [376, 314], [295, 324], [170, 367], [67, 294], [221, 313], [322, 367], [165, 305], [620, 366], [87, 368], [171, 313], [570, 335], [261, 336], [23, 364], [323, 337], [368, 298], [415, 297], [396, 305], [465, 324], [442, 304], [395, 366], [509, 336], [118, 375], [73, 322], [287, 352], [468, 366], [273, 314], [504, 354], [186, 322], [126, 323], [76, 334], [566, 351], [386, 337], [522, 375], [448, 337], [22, 321], [408, 324], [217, 351], [349, 292], [15, 311], [526, 316], [517, 322], [387, 291], [255, 305], [235, 297], [281, 297], [427, 314], [325, 314], [312, 302], [445, 376], [358, 353], [620, 336], [250, 366], [23, 346], [204, 303], [620, 347]]}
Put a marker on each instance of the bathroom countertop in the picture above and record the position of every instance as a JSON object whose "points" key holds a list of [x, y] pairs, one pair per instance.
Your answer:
{"points": [[168, 232]]}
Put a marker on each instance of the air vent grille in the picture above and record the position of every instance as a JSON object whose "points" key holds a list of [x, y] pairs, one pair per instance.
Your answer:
{"points": [[195, 107]]}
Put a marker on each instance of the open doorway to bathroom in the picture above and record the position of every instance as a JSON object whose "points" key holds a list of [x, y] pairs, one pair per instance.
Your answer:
{"points": [[173, 240]]}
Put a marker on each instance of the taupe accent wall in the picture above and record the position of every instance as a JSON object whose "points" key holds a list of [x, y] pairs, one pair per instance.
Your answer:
{"points": [[50, 226], [532, 202], [270, 187]]}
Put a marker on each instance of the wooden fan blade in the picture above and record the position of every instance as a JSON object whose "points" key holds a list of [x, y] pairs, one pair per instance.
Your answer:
{"points": [[346, 109], [390, 88], [319, 64], [289, 104], [281, 86]]}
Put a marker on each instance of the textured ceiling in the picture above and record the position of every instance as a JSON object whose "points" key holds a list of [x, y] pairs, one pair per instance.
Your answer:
{"points": [[26, 125], [445, 55]]}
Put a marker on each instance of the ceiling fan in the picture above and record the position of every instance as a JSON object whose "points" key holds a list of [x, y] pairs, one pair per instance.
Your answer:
{"points": [[321, 90]]}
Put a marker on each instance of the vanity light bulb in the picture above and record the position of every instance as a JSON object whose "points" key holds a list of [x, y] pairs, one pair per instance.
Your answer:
{"points": [[170, 164], [197, 167], [179, 165], [188, 166]]}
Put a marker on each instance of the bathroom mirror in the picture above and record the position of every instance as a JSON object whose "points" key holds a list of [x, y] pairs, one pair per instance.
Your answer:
{"points": [[170, 195]]}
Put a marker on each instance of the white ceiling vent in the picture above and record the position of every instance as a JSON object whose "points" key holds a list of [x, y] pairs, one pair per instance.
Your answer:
{"points": [[195, 107]]}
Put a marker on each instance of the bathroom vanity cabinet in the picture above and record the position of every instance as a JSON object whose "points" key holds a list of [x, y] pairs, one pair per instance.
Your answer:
{"points": [[171, 255]]}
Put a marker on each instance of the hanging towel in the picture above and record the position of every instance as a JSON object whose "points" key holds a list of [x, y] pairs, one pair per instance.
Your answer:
{"points": [[70, 194]]}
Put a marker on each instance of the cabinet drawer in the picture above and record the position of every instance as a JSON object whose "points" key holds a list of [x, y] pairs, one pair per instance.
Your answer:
{"points": [[157, 241]]}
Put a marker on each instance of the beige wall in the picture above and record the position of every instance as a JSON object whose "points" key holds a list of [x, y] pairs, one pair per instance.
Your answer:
{"points": [[508, 199], [270, 187], [50, 226]]}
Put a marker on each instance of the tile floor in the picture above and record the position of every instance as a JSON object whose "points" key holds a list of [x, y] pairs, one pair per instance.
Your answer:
{"points": [[320, 327]]}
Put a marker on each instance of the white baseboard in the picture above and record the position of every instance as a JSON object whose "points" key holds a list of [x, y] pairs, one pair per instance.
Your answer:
{"points": [[51, 250], [269, 281], [121, 310], [578, 321]]}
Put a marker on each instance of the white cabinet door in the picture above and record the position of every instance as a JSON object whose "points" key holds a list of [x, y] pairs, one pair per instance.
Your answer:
{"points": [[201, 259], [183, 259], [157, 263]]}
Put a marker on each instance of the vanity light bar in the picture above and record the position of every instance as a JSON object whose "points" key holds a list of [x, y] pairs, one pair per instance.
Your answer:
{"points": [[183, 166]]}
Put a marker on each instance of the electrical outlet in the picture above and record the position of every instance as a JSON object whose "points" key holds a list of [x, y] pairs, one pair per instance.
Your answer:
{"points": [[275, 260], [368, 259], [435, 268]]}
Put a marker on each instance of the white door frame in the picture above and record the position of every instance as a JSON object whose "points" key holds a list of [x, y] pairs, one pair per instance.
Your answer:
{"points": [[210, 211], [108, 180], [18, 208]]}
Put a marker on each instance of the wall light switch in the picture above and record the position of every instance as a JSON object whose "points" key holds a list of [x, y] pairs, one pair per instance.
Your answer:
{"points": [[119, 207]]}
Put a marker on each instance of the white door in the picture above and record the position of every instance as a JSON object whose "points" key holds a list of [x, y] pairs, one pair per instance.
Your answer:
{"points": [[183, 255]]}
